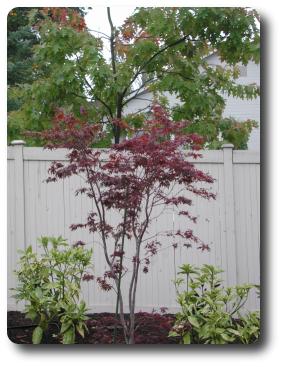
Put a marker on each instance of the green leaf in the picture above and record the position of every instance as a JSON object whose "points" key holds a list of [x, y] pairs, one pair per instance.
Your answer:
{"points": [[65, 326], [69, 336], [37, 335], [31, 315], [80, 330], [187, 338], [173, 333], [187, 269], [235, 332], [38, 292], [227, 338], [193, 321]]}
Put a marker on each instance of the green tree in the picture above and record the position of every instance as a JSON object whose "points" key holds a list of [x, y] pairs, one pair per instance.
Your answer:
{"points": [[21, 69], [157, 49]]}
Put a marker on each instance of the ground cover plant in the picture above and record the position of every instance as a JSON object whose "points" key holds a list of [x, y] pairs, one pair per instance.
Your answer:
{"points": [[50, 284], [212, 313], [132, 179]]}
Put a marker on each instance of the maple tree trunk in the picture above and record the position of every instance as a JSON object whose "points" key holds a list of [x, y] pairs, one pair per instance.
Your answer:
{"points": [[122, 319], [119, 300], [132, 309], [132, 294], [132, 314]]}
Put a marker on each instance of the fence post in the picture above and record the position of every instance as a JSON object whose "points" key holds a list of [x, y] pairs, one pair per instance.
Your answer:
{"points": [[230, 213], [18, 146], [19, 244]]}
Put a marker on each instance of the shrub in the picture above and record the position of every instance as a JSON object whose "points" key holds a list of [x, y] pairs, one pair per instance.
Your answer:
{"points": [[50, 284], [209, 309]]}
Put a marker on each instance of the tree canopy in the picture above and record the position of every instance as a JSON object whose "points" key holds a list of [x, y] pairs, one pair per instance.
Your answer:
{"points": [[21, 70], [156, 49]]}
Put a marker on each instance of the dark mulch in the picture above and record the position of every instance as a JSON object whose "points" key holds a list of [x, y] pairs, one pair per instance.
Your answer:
{"points": [[151, 328]]}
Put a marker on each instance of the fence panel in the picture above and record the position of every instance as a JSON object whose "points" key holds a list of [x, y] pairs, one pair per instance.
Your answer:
{"points": [[230, 224]]}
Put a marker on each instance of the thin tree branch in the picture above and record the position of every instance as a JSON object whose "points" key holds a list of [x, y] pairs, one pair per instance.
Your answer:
{"points": [[144, 99], [175, 43], [140, 110], [79, 95], [177, 73], [98, 98], [111, 39], [137, 91], [100, 217], [104, 34], [91, 88]]}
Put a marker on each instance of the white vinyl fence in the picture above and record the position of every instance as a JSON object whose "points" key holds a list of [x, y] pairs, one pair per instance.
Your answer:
{"points": [[230, 224]]}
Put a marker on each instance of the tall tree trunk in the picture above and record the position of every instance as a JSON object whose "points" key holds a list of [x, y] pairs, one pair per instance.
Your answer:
{"points": [[117, 133], [119, 98]]}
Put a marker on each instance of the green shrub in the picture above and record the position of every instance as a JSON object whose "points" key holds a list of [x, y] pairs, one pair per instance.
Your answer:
{"points": [[50, 285], [211, 313]]}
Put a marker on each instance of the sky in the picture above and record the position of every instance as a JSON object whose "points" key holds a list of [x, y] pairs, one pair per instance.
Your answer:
{"points": [[96, 19]]}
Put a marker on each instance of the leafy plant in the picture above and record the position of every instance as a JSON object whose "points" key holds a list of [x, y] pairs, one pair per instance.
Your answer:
{"points": [[248, 328], [237, 132], [209, 309], [50, 284]]}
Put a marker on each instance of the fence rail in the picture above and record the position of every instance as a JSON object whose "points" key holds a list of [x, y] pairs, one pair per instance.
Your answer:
{"points": [[230, 224]]}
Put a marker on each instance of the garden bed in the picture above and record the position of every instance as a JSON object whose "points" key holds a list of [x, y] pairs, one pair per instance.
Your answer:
{"points": [[151, 328]]}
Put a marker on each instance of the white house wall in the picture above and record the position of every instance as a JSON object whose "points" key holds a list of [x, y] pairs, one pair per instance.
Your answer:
{"points": [[244, 109], [235, 107]]}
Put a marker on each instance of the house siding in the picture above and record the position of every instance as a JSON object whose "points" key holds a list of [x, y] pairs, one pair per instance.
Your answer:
{"points": [[235, 107], [244, 109]]}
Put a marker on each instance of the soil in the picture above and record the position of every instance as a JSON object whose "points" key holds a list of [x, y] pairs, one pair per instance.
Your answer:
{"points": [[150, 329]]}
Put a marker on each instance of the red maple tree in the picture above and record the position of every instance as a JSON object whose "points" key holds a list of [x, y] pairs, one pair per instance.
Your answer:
{"points": [[132, 178]]}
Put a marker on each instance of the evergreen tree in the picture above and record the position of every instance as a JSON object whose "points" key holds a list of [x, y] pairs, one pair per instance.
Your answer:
{"points": [[20, 42]]}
